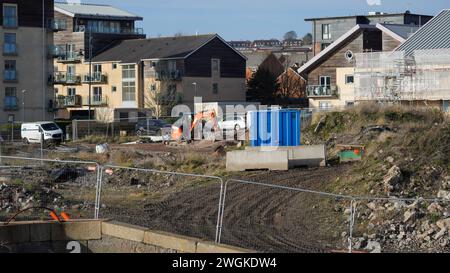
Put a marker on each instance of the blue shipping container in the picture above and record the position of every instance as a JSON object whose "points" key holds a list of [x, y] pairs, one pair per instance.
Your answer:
{"points": [[274, 128]]}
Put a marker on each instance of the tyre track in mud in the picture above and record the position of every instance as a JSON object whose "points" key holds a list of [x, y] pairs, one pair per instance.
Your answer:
{"points": [[255, 217]]}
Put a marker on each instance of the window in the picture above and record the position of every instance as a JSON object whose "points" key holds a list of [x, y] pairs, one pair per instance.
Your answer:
{"points": [[10, 70], [172, 88], [325, 105], [9, 15], [128, 72], [113, 88], [325, 81], [326, 35], [349, 79], [215, 66], [350, 103], [114, 66], [153, 87], [71, 91], [9, 47], [123, 115], [128, 91], [97, 94], [324, 45], [215, 88], [10, 100]]}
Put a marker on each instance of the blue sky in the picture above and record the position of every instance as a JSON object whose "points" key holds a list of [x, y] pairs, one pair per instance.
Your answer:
{"points": [[254, 19]]}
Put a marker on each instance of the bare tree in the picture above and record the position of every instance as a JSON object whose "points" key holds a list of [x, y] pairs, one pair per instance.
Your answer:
{"points": [[307, 39], [161, 100], [290, 35], [291, 84]]}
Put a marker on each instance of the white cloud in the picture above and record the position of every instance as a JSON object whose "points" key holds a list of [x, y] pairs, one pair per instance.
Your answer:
{"points": [[374, 2]]}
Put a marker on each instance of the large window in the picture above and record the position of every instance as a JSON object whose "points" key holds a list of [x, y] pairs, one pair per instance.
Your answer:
{"points": [[349, 79], [9, 15], [71, 91], [128, 72], [10, 73], [10, 47], [128, 83], [10, 100], [325, 81], [128, 91], [103, 26], [326, 34], [215, 66]]}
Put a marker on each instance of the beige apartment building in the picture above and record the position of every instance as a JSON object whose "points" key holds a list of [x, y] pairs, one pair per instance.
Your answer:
{"points": [[136, 78], [26, 34]]}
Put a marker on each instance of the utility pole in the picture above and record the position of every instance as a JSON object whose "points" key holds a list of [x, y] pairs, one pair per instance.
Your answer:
{"points": [[90, 78]]}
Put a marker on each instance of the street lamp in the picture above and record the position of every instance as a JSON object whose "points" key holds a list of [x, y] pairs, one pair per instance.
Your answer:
{"points": [[23, 105]]}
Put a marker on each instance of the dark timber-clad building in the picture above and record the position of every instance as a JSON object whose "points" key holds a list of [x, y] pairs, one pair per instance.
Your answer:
{"points": [[326, 30]]}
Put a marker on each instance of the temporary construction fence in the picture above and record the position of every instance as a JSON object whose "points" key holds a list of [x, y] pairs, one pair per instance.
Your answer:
{"points": [[182, 203], [31, 188], [266, 217]]}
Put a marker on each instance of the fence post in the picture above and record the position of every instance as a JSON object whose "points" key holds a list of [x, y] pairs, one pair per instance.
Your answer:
{"points": [[74, 130], [351, 225], [98, 191]]}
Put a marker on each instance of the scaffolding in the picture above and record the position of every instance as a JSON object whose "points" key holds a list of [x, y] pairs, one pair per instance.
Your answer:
{"points": [[396, 76]]}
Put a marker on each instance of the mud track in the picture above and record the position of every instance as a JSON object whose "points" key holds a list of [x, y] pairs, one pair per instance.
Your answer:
{"points": [[255, 217]]}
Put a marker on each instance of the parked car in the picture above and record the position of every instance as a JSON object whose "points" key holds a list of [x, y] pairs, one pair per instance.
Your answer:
{"points": [[34, 132], [151, 127], [236, 123]]}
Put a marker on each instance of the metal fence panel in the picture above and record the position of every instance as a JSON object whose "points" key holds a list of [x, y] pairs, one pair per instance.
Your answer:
{"points": [[28, 185], [181, 203]]}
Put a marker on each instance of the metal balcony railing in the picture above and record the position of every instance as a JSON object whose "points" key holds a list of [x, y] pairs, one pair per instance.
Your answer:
{"points": [[55, 51], [57, 24], [168, 75], [97, 77], [66, 78], [70, 56], [72, 101], [106, 30], [96, 100], [321, 91]]}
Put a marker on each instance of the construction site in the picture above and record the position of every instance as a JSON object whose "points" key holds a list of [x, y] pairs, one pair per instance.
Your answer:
{"points": [[420, 77]]}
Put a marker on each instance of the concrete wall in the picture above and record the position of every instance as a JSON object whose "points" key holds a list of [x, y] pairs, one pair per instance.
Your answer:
{"points": [[29, 74], [100, 236]]}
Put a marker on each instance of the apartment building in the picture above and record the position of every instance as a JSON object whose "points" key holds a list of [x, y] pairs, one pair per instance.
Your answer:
{"points": [[130, 76], [326, 30], [26, 33], [331, 73], [86, 30]]}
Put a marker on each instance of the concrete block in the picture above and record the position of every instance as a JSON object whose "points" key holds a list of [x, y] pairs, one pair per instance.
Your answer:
{"points": [[41, 232], [170, 241], [257, 160], [110, 244], [299, 156], [123, 231], [77, 230], [207, 247], [15, 233]]}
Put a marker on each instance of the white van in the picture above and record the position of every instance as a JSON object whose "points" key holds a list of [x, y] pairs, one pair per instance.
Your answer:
{"points": [[32, 132]]}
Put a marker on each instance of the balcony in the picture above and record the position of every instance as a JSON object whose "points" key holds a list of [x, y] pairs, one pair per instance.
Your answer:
{"points": [[96, 100], [168, 75], [10, 103], [68, 101], [97, 77], [57, 25], [66, 78], [10, 76], [10, 49], [319, 91], [69, 57], [106, 30], [55, 51]]}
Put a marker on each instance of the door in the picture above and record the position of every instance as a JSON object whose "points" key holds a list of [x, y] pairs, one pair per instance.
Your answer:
{"points": [[325, 81]]}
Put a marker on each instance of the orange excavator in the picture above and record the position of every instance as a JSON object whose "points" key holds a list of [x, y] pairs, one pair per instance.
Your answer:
{"points": [[204, 117]]}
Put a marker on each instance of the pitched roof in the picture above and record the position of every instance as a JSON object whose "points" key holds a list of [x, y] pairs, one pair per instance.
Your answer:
{"points": [[393, 31], [133, 51], [432, 35], [367, 15], [255, 58], [94, 11], [402, 32]]}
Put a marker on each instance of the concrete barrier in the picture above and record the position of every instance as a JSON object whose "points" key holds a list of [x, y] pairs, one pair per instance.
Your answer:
{"points": [[257, 160], [101, 236]]}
